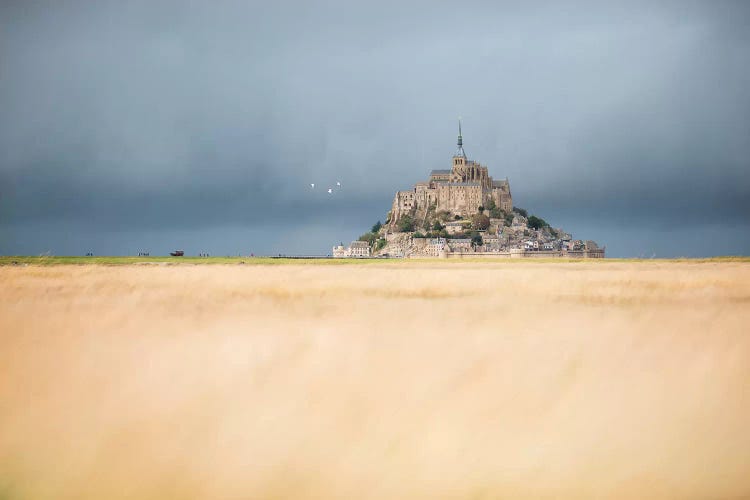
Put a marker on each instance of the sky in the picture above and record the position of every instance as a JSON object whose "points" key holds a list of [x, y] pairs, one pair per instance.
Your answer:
{"points": [[157, 125]]}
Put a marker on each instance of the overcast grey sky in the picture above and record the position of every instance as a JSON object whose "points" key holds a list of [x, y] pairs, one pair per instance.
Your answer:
{"points": [[128, 126]]}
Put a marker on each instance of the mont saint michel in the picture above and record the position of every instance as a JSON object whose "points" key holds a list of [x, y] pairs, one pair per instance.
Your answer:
{"points": [[463, 211]]}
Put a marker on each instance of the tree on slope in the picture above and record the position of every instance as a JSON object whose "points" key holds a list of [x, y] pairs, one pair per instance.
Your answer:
{"points": [[405, 224], [535, 222], [480, 221]]}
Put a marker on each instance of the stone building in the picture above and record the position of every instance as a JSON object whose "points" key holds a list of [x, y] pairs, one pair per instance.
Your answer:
{"points": [[455, 227], [436, 246], [460, 245], [359, 249], [339, 251], [491, 243], [356, 249], [460, 190]]}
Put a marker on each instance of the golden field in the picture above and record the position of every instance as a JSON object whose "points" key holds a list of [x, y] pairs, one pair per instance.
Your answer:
{"points": [[388, 380]]}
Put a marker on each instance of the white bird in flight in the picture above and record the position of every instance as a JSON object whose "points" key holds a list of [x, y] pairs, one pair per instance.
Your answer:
{"points": [[330, 190], [312, 185], [338, 183]]}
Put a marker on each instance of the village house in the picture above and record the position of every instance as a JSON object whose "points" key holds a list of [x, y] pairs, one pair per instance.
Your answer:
{"points": [[357, 249], [460, 245], [491, 243], [519, 221], [455, 227], [436, 246]]}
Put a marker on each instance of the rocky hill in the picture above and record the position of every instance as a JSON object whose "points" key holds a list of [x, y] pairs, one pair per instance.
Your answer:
{"points": [[489, 230], [465, 210]]}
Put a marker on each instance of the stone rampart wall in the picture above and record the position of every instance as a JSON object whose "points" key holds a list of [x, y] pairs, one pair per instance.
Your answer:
{"points": [[524, 254]]}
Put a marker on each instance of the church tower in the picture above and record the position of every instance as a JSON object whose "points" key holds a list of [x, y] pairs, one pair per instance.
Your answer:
{"points": [[459, 167], [459, 159]]}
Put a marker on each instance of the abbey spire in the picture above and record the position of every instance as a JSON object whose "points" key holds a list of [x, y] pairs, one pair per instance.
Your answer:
{"points": [[460, 151]]}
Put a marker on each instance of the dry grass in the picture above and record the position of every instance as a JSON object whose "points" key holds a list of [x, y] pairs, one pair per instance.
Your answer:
{"points": [[421, 380]]}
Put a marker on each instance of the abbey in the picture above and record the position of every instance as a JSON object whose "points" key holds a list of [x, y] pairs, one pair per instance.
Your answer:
{"points": [[461, 190], [463, 212]]}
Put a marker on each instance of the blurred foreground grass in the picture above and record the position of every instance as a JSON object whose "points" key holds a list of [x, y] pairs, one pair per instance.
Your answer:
{"points": [[403, 379]]}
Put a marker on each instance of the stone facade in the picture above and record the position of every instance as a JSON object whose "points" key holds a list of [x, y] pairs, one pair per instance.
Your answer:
{"points": [[454, 227], [357, 249], [460, 245], [460, 190], [339, 251]]}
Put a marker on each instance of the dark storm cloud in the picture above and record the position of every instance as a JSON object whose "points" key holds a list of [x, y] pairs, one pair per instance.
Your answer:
{"points": [[208, 119]]}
